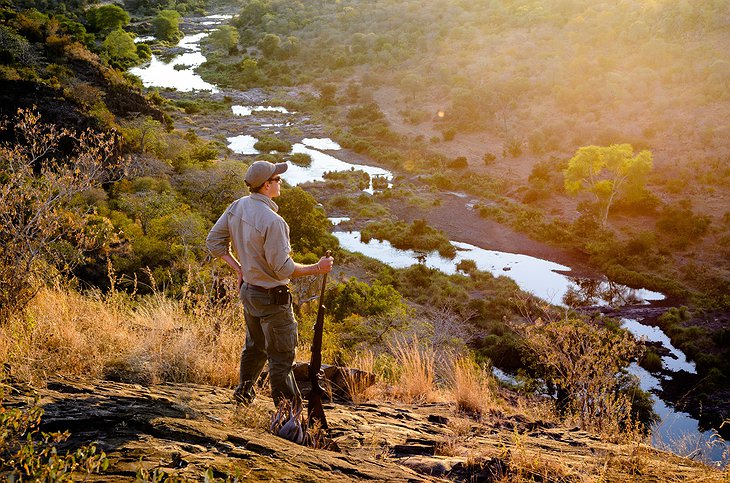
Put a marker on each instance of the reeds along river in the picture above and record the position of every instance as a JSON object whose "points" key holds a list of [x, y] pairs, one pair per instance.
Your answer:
{"points": [[548, 280]]}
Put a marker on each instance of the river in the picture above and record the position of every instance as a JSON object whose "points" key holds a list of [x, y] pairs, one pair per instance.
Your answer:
{"points": [[676, 431]]}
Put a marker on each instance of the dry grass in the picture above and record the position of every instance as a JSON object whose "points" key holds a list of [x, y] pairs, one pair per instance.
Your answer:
{"points": [[416, 380], [471, 387], [143, 339], [359, 385], [454, 443], [254, 416]]}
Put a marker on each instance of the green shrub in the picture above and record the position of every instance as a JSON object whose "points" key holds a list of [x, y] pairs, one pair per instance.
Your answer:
{"points": [[682, 224], [417, 236], [651, 361], [27, 454], [354, 179], [269, 142], [513, 148], [301, 159], [467, 266]]}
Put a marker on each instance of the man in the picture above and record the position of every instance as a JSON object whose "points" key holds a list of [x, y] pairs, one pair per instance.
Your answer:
{"points": [[260, 238]]}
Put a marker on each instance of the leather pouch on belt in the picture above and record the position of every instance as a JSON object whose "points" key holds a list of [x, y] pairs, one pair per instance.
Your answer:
{"points": [[279, 295]]}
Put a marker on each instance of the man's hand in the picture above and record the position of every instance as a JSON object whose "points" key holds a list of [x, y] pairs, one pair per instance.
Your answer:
{"points": [[324, 265], [240, 279], [233, 263]]}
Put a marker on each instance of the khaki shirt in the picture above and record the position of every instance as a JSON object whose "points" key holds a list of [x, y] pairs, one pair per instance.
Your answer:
{"points": [[260, 238]]}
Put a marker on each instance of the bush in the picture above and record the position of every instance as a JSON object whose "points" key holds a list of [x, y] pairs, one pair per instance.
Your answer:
{"points": [[582, 361], [489, 158], [449, 134], [513, 148], [467, 266], [682, 224], [41, 229], [269, 142], [458, 163], [27, 454], [418, 236], [301, 159], [651, 361]]}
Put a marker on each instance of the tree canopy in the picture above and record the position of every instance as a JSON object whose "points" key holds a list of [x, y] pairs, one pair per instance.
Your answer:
{"points": [[166, 25], [107, 18], [608, 172]]}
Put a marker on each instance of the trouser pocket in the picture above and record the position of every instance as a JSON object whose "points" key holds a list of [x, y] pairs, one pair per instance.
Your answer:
{"points": [[285, 338], [279, 295]]}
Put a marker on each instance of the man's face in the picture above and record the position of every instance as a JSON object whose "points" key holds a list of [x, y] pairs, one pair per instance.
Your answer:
{"points": [[272, 188]]}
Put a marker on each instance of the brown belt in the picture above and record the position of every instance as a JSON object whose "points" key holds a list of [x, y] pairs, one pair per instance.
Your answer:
{"points": [[261, 289]]}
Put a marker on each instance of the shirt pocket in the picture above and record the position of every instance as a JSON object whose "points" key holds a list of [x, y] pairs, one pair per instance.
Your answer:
{"points": [[285, 338]]}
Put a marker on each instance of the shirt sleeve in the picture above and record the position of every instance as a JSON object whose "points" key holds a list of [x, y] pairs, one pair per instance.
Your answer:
{"points": [[277, 250], [218, 241]]}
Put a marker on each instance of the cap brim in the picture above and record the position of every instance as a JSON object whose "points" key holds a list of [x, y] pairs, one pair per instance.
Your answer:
{"points": [[280, 168]]}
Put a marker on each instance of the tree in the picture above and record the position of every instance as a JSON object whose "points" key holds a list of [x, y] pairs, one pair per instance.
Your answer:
{"points": [[107, 18], [327, 93], [584, 363], [121, 48], [41, 228], [225, 38], [269, 44], [309, 226], [167, 25], [608, 172]]}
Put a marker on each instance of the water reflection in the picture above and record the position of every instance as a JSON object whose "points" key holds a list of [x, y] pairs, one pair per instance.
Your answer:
{"points": [[321, 144], [159, 73], [239, 110], [533, 275], [336, 220], [243, 144], [677, 431], [587, 292], [322, 163], [677, 362]]}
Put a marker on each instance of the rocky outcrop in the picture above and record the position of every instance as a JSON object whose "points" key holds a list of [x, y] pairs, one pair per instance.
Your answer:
{"points": [[187, 429]]}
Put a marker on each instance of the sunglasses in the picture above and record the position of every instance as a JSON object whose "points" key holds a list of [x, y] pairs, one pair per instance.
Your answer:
{"points": [[276, 179]]}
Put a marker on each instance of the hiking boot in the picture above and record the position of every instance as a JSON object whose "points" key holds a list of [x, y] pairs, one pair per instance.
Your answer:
{"points": [[244, 397]]}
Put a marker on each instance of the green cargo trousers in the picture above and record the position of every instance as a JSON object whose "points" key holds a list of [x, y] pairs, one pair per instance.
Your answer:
{"points": [[271, 333]]}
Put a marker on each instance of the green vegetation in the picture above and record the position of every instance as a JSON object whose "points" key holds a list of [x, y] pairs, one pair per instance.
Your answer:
{"points": [[453, 69], [269, 142], [416, 236], [166, 25], [609, 172], [580, 362], [27, 454], [301, 159]]}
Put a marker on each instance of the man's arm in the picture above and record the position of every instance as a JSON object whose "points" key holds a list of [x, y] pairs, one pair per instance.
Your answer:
{"points": [[324, 265], [219, 245], [235, 265]]}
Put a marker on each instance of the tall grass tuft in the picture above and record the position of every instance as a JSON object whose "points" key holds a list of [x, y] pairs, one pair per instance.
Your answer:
{"points": [[471, 387], [358, 385], [415, 378]]}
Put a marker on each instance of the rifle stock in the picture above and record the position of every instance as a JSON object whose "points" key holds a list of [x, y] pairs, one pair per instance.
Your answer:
{"points": [[315, 411]]}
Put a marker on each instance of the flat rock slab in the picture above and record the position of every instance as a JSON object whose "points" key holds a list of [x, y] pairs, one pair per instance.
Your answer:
{"points": [[185, 430]]}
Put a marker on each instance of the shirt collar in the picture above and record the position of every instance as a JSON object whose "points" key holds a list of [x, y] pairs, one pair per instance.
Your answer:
{"points": [[265, 199]]}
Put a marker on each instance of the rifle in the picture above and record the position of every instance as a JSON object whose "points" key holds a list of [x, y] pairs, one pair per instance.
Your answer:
{"points": [[315, 411]]}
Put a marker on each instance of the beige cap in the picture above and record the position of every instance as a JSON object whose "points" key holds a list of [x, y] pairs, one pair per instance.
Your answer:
{"points": [[260, 171]]}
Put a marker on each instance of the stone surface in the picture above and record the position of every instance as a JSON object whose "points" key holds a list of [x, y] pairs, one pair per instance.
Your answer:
{"points": [[186, 429]]}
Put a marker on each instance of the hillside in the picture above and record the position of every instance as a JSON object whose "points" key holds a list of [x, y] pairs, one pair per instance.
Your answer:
{"points": [[113, 312]]}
